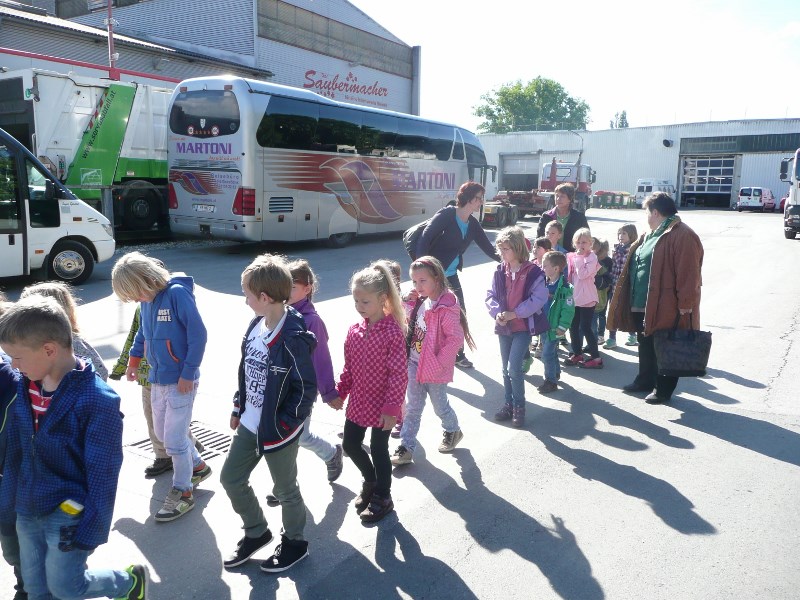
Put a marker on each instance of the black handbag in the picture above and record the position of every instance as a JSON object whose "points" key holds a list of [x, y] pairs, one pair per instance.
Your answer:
{"points": [[682, 352]]}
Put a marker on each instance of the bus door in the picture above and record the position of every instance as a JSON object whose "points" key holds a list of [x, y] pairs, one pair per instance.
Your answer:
{"points": [[13, 240]]}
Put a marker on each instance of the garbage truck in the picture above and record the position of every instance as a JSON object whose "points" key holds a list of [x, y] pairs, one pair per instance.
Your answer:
{"points": [[42, 224], [93, 134]]}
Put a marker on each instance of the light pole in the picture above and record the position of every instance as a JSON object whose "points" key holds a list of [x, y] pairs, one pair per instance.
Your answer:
{"points": [[113, 73]]}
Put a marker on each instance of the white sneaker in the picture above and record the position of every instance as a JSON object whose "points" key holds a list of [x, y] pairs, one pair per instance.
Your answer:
{"points": [[402, 456]]}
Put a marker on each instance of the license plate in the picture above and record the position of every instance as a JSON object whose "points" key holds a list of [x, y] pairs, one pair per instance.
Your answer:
{"points": [[210, 208]]}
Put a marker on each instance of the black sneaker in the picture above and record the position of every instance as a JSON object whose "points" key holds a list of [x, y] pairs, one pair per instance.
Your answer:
{"points": [[159, 466], [246, 548], [286, 555], [138, 589], [463, 362]]}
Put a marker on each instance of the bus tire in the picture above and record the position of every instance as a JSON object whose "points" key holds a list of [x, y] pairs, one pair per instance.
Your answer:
{"points": [[141, 208], [340, 240], [70, 262]]}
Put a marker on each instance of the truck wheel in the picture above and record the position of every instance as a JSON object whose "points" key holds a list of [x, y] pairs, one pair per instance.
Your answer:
{"points": [[141, 209], [789, 235], [502, 218], [340, 240], [513, 215], [71, 262]]}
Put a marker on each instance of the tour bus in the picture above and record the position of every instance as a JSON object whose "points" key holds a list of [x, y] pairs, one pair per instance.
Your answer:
{"points": [[42, 224], [251, 161]]}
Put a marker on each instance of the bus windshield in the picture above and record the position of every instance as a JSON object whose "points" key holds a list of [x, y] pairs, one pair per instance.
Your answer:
{"points": [[204, 113]]}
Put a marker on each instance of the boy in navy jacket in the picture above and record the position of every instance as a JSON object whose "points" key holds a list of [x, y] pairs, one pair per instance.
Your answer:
{"points": [[63, 457]]}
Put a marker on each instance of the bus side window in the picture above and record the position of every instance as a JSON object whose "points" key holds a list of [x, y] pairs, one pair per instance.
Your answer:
{"points": [[458, 148], [338, 129], [44, 212], [290, 124], [378, 135], [10, 209]]}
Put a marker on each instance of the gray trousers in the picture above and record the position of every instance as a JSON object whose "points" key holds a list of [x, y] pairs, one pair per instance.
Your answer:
{"points": [[242, 458], [147, 408]]}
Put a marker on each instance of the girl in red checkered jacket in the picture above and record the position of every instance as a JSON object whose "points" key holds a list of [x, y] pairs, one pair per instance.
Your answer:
{"points": [[375, 378], [437, 330]]}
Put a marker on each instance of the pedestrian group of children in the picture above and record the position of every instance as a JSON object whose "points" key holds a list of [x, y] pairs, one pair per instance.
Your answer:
{"points": [[61, 426]]}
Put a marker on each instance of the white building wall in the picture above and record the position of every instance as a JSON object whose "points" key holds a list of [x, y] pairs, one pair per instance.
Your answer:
{"points": [[763, 170]]}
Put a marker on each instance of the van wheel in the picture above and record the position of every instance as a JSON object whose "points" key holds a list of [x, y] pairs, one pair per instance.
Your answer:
{"points": [[789, 235], [340, 240], [71, 262]]}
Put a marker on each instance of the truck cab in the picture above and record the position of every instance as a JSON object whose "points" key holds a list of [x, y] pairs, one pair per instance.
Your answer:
{"points": [[42, 224]]}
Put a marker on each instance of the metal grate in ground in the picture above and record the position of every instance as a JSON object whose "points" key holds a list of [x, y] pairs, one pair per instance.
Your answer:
{"points": [[215, 443]]}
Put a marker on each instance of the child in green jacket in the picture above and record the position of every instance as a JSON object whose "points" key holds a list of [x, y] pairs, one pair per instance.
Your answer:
{"points": [[560, 309]]}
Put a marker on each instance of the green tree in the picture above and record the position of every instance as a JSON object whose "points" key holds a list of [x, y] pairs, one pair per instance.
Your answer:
{"points": [[619, 121], [539, 105]]}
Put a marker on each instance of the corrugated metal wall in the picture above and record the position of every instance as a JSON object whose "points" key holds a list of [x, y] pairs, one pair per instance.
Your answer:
{"points": [[197, 22], [764, 170]]}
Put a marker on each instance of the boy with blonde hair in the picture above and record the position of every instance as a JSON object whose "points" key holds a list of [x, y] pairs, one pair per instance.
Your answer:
{"points": [[64, 453], [276, 392], [173, 333]]}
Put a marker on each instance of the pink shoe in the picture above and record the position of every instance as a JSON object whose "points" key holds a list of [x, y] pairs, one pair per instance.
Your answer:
{"points": [[573, 359], [593, 363]]}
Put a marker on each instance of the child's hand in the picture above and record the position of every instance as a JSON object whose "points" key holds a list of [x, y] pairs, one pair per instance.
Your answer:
{"points": [[234, 423], [336, 404], [500, 319], [131, 373], [185, 385], [412, 296], [388, 422]]}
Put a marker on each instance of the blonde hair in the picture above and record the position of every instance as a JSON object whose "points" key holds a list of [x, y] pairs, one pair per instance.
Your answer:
{"points": [[394, 268], [269, 274], [515, 238], [377, 279], [35, 321], [136, 275], [301, 273], [582, 232], [62, 294], [434, 267]]}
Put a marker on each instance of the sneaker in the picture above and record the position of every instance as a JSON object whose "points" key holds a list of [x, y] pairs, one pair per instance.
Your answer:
{"points": [[138, 589], [504, 414], [592, 363], [518, 417], [632, 341], [287, 554], [199, 446], [362, 500], [600, 340], [527, 362], [573, 359], [159, 466], [246, 548], [176, 505], [378, 508], [402, 456], [335, 464], [537, 353], [610, 344], [547, 387], [450, 441], [272, 500], [463, 362], [396, 431], [201, 473]]}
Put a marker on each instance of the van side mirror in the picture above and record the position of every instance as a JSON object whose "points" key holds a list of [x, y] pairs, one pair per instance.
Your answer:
{"points": [[49, 190], [784, 169]]}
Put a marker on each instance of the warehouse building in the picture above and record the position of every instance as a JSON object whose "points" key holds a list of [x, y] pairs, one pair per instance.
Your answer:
{"points": [[706, 162], [326, 46]]}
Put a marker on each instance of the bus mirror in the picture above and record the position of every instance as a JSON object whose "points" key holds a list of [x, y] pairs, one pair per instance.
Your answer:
{"points": [[49, 190], [784, 169]]}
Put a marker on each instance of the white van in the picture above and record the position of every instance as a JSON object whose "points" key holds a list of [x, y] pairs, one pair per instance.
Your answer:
{"points": [[755, 198], [646, 187]]}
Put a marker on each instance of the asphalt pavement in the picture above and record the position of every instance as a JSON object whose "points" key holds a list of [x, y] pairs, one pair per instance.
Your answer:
{"points": [[599, 496]]}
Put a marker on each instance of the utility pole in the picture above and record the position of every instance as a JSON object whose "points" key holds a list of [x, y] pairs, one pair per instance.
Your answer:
{"points": [[113, 73]]}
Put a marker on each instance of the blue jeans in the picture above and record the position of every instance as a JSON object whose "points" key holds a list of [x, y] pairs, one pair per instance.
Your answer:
{"points": [[552, 368], [599, 324], [416, 394], [172, 413], [319, 446], [512, 352], [50, 573]]}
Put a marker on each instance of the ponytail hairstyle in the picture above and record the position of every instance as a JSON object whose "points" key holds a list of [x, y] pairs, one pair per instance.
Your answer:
{"points": [[302, 274], [434, 267], [377, 279]]}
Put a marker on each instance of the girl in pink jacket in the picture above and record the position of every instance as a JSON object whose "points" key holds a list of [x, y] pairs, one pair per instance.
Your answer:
{"points": [[437, 330], [583, 266]]}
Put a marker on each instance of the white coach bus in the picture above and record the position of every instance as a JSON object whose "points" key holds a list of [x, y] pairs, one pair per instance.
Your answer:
{"points": [[252, 161]]}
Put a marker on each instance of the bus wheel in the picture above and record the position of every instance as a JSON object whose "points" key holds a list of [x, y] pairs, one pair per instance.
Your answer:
{"points": [[71, 262], [141, 209], [340, 240]]}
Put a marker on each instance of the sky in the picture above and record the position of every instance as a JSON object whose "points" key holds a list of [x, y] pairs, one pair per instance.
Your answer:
{"points": [[681, 61]]}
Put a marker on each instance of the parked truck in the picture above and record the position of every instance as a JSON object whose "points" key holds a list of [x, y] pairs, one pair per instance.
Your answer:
{"points": [[94, 133], [790, 172], [509, 205]]}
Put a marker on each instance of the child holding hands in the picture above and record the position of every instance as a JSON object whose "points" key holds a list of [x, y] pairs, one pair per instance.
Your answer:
{"points": [[438, 329], [515, 301], [583, 266], [626, 235], [375, 378], [560, 311]]}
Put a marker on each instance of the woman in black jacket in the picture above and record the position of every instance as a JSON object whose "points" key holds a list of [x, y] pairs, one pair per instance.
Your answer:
{"points": [[449, 234], [570, 219]]}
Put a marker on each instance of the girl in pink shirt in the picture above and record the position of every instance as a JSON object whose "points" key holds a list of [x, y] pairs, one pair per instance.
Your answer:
{"points": [[375, 379], [438, 328], [582, 266]]}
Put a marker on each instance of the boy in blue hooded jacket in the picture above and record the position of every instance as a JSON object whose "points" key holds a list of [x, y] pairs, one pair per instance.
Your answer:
{"points": [[172, 334]]}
